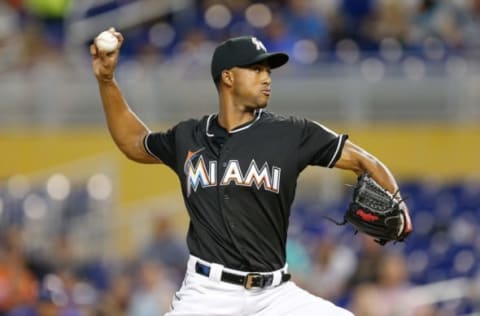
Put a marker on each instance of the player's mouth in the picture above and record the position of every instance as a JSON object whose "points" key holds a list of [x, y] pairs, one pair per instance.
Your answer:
{"points": [[267, 92]]}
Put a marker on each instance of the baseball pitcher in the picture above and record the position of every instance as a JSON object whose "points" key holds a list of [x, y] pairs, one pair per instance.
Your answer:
{"points": [[238, 171]]}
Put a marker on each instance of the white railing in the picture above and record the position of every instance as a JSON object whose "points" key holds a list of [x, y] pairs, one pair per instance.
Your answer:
{"points": [[441, 292], [66, 93], [82, 29]]}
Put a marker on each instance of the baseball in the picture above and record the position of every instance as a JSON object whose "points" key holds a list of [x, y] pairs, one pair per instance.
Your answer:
{"points": [[106, 42]]}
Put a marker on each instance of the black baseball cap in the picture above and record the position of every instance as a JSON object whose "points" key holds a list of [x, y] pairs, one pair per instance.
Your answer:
{"points": [[243, 51]]}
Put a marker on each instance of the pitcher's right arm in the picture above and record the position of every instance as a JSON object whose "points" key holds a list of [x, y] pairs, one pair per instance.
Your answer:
{"points": [[126, 128]]}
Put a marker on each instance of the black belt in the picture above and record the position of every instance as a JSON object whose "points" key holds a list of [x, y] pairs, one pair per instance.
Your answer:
{"points": [[248, 281]]}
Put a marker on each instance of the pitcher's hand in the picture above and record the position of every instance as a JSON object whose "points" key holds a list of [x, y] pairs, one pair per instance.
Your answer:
{"points": [[103, 63]]}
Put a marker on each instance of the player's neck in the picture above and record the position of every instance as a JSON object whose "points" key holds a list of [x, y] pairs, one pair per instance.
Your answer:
{"points": [[231, 116], [232, 119]]}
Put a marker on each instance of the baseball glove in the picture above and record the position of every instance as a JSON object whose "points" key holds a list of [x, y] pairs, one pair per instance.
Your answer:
{"points": [[376, 212]]}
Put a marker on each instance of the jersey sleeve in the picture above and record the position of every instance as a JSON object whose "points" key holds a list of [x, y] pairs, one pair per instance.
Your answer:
{"points": [[161, 145], [319, 145]]}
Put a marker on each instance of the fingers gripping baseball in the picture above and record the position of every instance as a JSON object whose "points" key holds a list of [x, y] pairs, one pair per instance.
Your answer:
{"points": [[104, 62]]}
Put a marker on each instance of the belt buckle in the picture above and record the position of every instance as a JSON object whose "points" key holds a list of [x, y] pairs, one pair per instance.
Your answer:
{"points": [[249, 279]]}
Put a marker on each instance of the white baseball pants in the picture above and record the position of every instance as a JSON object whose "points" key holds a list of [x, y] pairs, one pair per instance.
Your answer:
{"points": [[208, 296]]}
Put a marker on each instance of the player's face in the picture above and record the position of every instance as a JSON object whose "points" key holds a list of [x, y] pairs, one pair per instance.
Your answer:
{"points": [[252, 85]]}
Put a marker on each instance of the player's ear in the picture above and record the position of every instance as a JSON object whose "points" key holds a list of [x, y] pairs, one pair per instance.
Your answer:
{"points": [[227, 77]]}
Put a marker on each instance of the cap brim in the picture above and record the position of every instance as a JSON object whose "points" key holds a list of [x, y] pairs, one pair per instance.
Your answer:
{"points": [[274, 60]]}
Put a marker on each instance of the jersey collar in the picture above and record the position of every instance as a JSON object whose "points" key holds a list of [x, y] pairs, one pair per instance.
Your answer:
{"points": [[211, 117]]}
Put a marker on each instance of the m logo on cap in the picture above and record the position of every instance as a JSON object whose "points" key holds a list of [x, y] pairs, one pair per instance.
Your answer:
{"points": [[258, 44], [240, 52]]}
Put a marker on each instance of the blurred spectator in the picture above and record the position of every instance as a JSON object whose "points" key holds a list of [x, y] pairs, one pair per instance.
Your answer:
{"points": [[368, 262], [153, 293], [16, 4], [11, 37], [392, 21], [470, 27], [332, 266], [239, 25], [166, 249], [357, 17], [307, 31], [192, 47], [116, 300], [65, 294], [435, 20], [18, 287], [46, 25], [303, 22], [298, 260], [363, 299], [277, 36], [223, 19], [392, 283], [389, 295], [51, 15]]}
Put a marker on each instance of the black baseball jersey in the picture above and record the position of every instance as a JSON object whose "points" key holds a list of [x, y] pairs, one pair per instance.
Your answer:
{"points": [[238, 186]]}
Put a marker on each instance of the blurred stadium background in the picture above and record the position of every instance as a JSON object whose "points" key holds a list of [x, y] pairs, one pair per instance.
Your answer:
{"points": [[83, 231]]}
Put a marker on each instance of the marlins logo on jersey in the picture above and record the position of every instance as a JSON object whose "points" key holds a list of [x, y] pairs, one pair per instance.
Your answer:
{"points": [[197, 173]]}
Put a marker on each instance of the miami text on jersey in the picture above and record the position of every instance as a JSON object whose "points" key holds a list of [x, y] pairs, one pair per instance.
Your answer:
{"points": [[197, 174]]}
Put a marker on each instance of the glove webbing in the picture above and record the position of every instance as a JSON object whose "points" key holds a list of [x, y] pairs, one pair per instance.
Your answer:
{"points": [[379, 195]]}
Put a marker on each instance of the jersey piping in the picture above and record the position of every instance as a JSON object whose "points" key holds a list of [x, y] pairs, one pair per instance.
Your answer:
{"points": [[236, 130], [145, 144], [339, 146]]}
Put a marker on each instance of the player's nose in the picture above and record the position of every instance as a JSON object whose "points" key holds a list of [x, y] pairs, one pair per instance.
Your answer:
{"points": [[267, 79]]}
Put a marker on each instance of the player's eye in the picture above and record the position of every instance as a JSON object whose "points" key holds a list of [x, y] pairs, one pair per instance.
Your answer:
{"points": [[259, 69]]}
